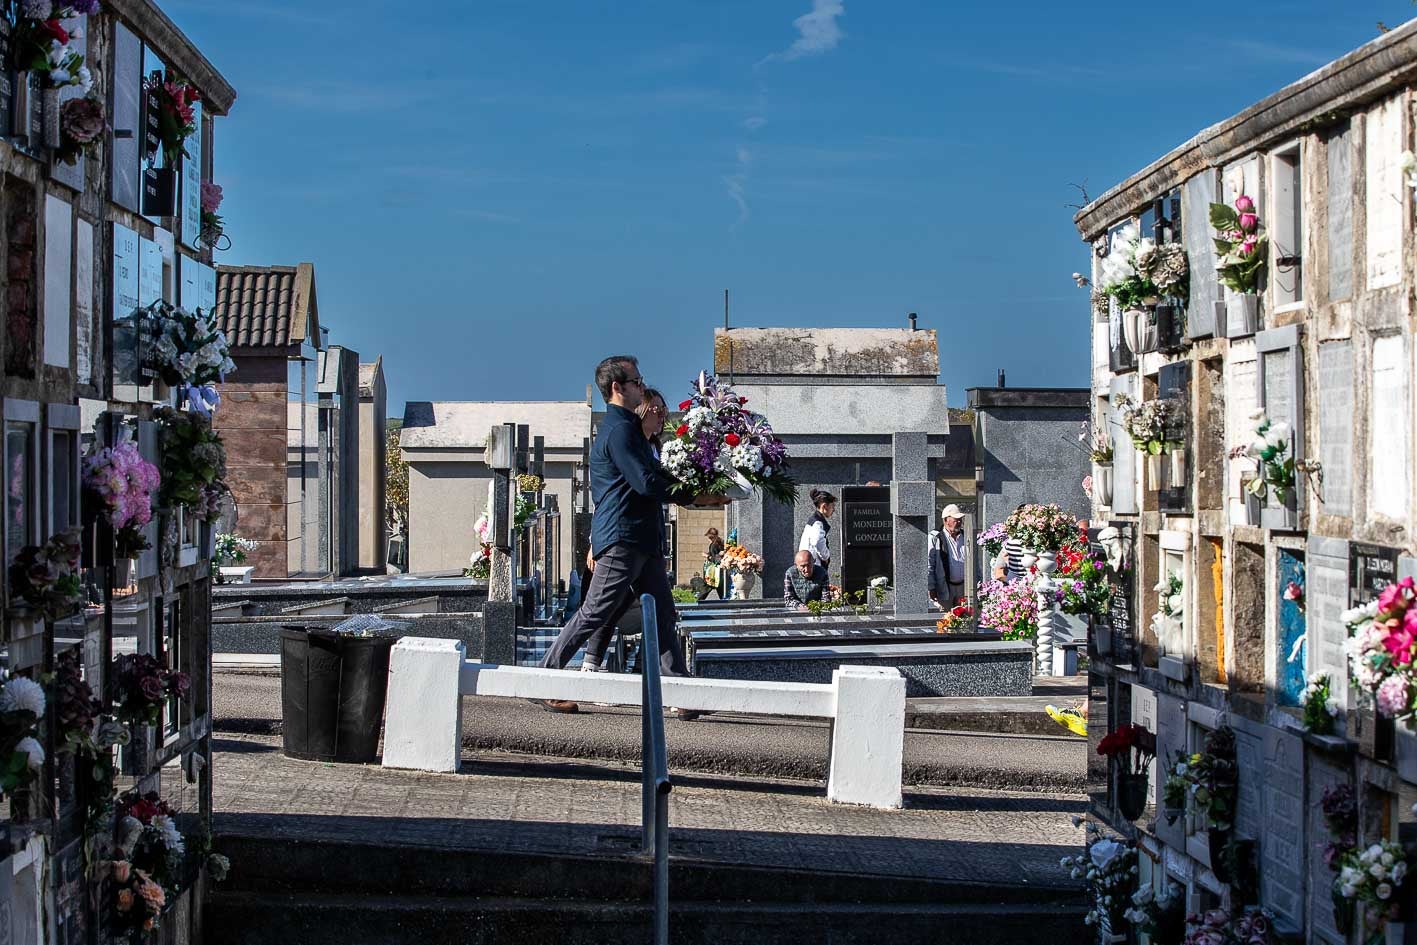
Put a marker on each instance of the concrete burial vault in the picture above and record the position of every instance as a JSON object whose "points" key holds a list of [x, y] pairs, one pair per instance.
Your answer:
{"points": [[428, 678]]}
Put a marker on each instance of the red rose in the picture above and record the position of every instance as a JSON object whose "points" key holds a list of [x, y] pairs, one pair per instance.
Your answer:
{"points": [[685, 404], [742, 400], [732, 439], [683, 429], [56, 29]]}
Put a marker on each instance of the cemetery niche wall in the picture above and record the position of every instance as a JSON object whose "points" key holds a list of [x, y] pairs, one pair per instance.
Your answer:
{"points": [[105, 647], [1273, 494]]}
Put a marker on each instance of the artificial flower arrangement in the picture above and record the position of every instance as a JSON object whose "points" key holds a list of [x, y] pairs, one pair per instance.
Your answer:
{"points": [[1151, 424], [1132, 746], [880, 587], [1239, 245], [148, 837], [1207, 781], [44, 46], [529, 482], [992, 540], [1083, 585], [1250, 926], [22, 705], [480, 562], [957, 619], [1040, 528], [176, 118], [212, 224], [47, 576], [1160, 915], [737, 558], [1382, 639], [1011, 607], [721, 448], [1320, 707], [123, 483], [141, 685], [1108, 864], [193, 463], [183, 348], [138, 899], [1137, 271], [1270, 450], [1369, 878], [82, 122], [1098, 443], [89, 736], [229, 550]]}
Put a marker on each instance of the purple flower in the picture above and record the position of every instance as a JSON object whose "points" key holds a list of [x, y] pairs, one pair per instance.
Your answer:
{"points": [[1249, 222]]}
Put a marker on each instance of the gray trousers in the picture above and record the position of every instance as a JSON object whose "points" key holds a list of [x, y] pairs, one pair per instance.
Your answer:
{"points": [[621, 574]]}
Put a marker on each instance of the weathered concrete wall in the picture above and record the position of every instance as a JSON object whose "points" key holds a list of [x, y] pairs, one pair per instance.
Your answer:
{"points": [[845, 411], [1030, 454], [826, 352]]}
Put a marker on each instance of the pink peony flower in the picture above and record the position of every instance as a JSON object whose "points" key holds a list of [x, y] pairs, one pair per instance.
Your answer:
{"points": [[211, 197], [1392, 696], [1249, 222], [1399, 643], [1244, 204], [1395, 596]]}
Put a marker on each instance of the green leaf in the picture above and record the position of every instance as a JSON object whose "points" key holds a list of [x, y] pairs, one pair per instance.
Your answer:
{"points": [[1154, 447]]}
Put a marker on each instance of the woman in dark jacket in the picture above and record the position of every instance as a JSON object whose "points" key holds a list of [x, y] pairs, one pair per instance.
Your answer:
{"points": [[713, 556], [818, 527]]}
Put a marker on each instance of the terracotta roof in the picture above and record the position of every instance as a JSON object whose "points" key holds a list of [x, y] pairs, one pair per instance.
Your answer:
{"points": [[267, 306]]}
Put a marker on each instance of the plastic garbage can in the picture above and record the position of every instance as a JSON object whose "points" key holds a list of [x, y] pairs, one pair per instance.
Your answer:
{"points": [[333, 687]]}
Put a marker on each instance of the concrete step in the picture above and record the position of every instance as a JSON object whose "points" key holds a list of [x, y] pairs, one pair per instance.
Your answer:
{"points": [[307, 867], [258, 918]]}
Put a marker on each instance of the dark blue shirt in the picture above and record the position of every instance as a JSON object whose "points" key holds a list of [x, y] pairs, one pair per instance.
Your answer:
{"points": [[628, 486]]}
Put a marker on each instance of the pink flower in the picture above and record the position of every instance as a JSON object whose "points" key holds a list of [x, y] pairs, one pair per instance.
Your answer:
{"points": [[1399, 643], [1087, 485], [1392, 696], [1395, 597], [1293, 591], [1249, 222], [1244, 204], [211, 197], [1247, 247]]}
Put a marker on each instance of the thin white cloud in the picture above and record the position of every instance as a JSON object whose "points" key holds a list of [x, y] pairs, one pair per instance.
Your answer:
{"points": [[736, 184], [817, 31], [1280, 53], [754, 122], [487, 215]]}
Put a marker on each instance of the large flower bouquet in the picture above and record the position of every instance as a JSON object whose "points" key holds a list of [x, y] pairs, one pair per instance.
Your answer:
{"points": [[1010, 607], [124, 483], [1136, 271], [138, 899], [22, 705], [737, 558], [720, 448], [1251, 926], [141, 685], [1207, 781], [148, 837], [1239, 245], [183, 348], [1270, 449], [1109, 867], [47, 576], [1041, 527], [43, 45], [1382, 640], [1083, 584], [212, 223], [1152, 425], [193, 463], [1370, 877], [176, 119], [958, 619]]}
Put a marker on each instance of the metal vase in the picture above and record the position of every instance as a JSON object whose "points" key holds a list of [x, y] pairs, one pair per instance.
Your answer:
{"points": [[1131, 794], [1250, 309], [51, 117]]}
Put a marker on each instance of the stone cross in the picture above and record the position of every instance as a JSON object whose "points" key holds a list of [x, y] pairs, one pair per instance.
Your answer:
{"points": [[912, 505]]}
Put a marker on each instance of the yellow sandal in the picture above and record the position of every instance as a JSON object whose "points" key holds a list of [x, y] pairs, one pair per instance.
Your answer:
{"points": [[1070, 719]]}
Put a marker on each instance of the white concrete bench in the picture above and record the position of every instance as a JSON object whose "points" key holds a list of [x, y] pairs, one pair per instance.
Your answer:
{"points": [[428, 678]]}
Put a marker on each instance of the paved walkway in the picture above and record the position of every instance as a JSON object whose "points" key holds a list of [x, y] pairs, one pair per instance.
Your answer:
{"points": [[249, 702], [535, 805]]}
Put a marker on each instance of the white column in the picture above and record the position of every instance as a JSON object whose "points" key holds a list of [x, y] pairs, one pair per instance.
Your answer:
{"points": [[868, 736], [423, 716]]}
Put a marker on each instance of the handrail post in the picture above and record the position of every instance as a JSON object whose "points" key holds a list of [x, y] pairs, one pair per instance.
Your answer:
{"points": [[655, 788]]}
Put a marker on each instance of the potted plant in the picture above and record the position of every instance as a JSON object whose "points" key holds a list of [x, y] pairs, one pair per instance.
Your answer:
{"points": [[1241, 250], [1152, 427], [228, 556], [1099, 451], [1041, 530], [1320, 707], [1010, 607], [1207, 782], [1138, 273], [1130, 750]]}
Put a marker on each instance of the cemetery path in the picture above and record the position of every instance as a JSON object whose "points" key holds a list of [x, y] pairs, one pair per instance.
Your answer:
{"points": [[502, 804], [248, 702]]}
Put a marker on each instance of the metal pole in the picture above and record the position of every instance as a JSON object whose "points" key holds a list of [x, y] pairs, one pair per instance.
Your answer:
{"points": [[654, 763]]}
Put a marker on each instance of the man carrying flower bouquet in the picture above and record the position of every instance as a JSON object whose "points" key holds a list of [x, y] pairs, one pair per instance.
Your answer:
{"points": [[627, 530]]}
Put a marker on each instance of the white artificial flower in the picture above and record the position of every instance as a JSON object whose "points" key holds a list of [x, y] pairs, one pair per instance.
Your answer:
{"points": [[1103, 852], [22, 694], [747, 457], [1399, 872], [1349, 892], [1331, 707], [1377, 872], [1384, 891], [1387, 858], [171, 836], [34, 750], [1175, 602]]}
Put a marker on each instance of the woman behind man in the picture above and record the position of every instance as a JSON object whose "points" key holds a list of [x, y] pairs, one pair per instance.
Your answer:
{"points": [[652, 411], [818, 527]]}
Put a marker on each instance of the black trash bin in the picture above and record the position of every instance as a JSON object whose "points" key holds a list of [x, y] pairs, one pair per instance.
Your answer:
{"points": [[332, 688]]}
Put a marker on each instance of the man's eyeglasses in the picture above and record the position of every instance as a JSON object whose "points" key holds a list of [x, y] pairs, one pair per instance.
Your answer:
{"points": [[637, 381]]}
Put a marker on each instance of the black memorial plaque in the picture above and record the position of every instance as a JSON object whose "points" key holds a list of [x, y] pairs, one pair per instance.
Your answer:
{"points": [[1370, 569], [867, 536], [1174, 384], [1120, 616]]}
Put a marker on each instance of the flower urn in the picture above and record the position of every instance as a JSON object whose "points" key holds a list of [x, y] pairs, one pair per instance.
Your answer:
{"points": [[1133, 321], [1153, 471], [743, 582], [1102, 636], [1102, 484], [1249, 314], [1177, 460], [1131, 794]]}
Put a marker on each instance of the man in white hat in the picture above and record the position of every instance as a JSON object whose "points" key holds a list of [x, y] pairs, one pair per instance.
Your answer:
{"points": [[948, 547]]}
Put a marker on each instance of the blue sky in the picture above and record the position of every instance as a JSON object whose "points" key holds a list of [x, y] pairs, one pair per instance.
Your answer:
{"points": [[497, 194]]}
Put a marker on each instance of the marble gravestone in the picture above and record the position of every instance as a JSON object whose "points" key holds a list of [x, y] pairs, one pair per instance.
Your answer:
{"points": [[912, 507], [867, 536]]}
